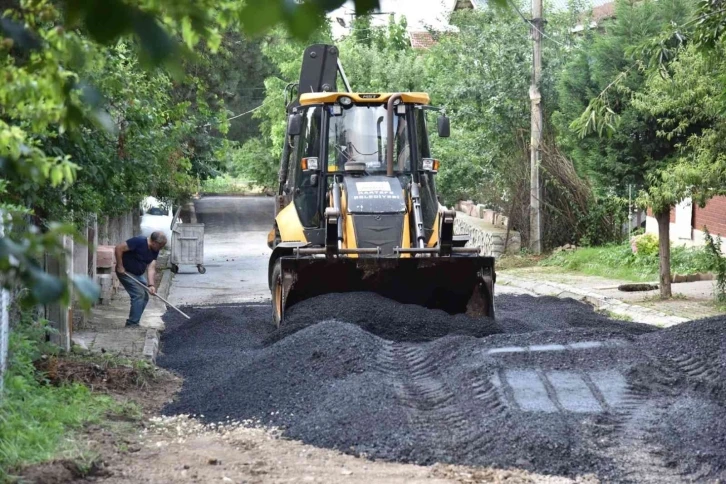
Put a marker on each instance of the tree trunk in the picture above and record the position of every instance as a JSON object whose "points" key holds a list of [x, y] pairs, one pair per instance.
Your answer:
{"points": [[664, 252]]}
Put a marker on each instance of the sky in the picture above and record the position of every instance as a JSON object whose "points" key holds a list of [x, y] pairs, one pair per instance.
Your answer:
{"points": [[418, 13], [422, 13]]}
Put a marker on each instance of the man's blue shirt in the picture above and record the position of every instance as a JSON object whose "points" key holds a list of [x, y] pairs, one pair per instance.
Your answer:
{"points": [[139, 255]]}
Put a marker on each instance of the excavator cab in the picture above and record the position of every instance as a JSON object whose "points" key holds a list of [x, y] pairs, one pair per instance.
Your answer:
{"points": [[357, 208]]}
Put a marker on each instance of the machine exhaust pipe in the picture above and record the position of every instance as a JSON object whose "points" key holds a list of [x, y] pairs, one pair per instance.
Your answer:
{"points": [[389, 148]]}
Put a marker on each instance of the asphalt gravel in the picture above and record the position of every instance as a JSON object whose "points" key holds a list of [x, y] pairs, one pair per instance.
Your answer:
{"points": [[550, 386]]}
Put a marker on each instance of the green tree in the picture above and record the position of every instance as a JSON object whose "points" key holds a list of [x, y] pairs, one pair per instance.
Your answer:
{"points": [[689, 105], [634, 149], [677, 100]]}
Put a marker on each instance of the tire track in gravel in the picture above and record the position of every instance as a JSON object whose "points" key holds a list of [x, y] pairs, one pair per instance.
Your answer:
{"points": [[435, 410], [702, 371], [640, 459]]}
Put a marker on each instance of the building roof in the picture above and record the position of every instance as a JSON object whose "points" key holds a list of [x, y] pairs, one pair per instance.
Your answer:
{"points": [[604, 11], [422, 39]]}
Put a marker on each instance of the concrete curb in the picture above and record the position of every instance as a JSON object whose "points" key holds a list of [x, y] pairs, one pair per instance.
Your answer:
{"points": [[165, 284], [153, 334], [638, 314], [151, 345]]}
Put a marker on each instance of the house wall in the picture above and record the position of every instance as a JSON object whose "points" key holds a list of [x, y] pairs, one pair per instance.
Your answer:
{"points": [[713, 216]]}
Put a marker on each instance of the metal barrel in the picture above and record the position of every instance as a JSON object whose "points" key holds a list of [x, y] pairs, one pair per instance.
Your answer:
{"points": [[454, 284]]}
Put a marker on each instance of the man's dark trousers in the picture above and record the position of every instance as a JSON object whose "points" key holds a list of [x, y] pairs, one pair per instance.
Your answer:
{"points": [[139, 296]]}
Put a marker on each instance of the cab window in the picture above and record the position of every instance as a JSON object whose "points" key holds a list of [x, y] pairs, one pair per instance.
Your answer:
{"points": [[306, 194], [359, 133]]}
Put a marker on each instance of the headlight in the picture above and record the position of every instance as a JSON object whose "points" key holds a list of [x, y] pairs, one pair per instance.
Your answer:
{"points": [[308, 164], [345, 101], [430, 164]]}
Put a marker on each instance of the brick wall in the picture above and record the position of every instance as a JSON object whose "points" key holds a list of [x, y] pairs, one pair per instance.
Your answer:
{"points": [[713, 216]]}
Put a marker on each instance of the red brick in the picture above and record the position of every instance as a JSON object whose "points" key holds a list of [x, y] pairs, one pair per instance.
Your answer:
{"points": [[105, 257], [713, 216], [421, 39]]}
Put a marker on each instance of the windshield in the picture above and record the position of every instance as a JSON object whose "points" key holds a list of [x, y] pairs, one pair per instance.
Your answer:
{"points": [[359, 134]]}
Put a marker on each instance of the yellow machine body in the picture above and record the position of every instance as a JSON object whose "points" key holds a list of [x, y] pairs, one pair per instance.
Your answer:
{"points": [[357, 208]]}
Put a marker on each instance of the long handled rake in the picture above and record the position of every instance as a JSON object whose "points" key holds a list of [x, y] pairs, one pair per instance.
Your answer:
{"points": [[165, 301]]}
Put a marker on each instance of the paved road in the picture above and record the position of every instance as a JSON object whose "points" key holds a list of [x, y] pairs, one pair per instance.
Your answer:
{"points": [[235, 253]]}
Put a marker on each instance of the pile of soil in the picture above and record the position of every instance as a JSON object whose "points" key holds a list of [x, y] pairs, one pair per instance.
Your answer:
{"points": [[97, 375]]}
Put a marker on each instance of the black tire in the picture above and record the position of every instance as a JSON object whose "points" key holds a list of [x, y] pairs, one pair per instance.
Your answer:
{"points": [[201, 269], [276, 294], [174, 268]]}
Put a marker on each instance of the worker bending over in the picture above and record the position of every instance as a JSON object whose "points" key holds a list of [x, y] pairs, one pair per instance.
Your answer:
{"points": [[133, 258]]}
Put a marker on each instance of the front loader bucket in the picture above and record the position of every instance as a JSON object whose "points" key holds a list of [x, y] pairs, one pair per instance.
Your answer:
{"points": [[453, 284]]}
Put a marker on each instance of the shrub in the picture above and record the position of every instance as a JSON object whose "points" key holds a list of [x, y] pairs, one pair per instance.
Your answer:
{"points": [[718, 261], [645, 245]]}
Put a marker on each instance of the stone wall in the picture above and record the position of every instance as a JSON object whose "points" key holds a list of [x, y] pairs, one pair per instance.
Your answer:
{"points": [[490, 238], [477, 210]]}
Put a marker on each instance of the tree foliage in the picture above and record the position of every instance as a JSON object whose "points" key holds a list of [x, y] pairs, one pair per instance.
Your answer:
{"points": [[688, 103], [669, 99], [613, 142], [89, 123]]}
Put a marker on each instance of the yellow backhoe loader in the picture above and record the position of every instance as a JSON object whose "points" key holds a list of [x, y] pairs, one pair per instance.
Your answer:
{"points": [[357, 208]]}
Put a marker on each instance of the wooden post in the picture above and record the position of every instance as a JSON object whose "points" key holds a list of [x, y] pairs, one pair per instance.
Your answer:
{"points": [[92, 236], [114, 230], [136, 220], [103, 231], [59, 314]]}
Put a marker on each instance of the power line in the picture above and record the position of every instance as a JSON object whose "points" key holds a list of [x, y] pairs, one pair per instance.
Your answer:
{"points": [[531, 24], [235, 116], [248, 112]]}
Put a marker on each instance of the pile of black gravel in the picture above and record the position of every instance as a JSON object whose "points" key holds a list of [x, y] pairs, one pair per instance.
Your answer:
{"points": [[368, 376], [383, 317], [525, 314]]}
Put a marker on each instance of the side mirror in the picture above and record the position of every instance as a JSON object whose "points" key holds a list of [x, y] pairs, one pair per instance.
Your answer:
{"points": [[294, 125], [444, 127]]}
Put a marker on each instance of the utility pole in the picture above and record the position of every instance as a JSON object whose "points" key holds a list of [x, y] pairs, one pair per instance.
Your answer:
{"points": [[535, 214], [4, 321]]}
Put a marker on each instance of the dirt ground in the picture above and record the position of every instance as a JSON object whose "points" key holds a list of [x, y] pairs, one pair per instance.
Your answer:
{"points": [[160, 449]]}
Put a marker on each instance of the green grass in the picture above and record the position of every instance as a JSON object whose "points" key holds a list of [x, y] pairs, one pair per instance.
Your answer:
{"points": [[227, 184], [38, 421], [517, 261], [612, 315], [619, 262]]}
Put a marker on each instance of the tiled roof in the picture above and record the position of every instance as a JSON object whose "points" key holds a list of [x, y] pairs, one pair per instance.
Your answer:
{"points": [[421, 39], [601, 12]]}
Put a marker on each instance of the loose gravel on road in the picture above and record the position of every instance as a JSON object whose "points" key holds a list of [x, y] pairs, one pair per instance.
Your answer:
{"points": [[551, 386]]}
